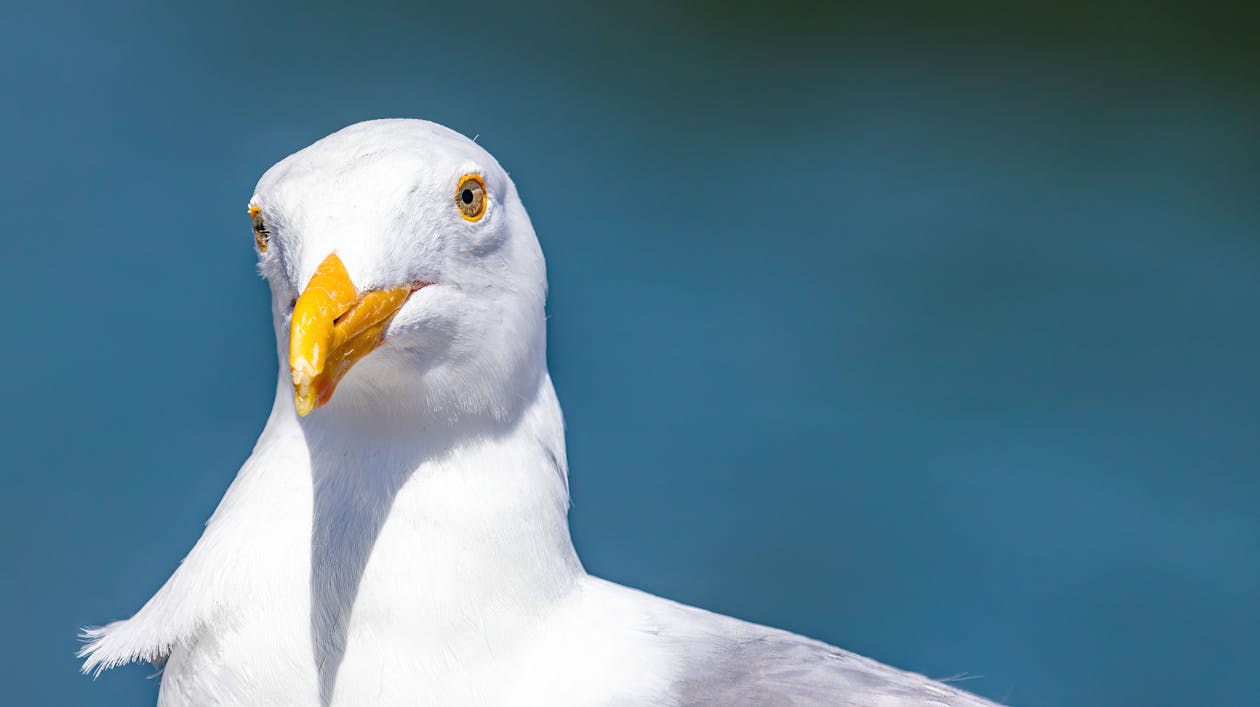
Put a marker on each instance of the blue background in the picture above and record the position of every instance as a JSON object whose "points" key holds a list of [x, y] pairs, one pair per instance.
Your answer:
{"points": [[930, 331]]}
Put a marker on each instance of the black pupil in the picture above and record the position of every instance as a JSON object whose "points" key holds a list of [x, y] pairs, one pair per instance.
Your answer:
{"points": [[466, 196]]}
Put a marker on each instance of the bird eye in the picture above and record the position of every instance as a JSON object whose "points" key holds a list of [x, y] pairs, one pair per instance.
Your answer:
{"points": [[470, 197], [261, 234]]}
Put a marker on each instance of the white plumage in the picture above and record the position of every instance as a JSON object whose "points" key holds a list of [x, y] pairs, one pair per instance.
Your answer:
{"points": [[408, 543]]}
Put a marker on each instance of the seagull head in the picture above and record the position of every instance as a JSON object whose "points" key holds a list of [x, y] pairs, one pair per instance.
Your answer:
{"points": [[405, 274]]}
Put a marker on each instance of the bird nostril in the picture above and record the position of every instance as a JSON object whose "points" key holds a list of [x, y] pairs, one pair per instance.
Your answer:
{"points": [[293, 303]]}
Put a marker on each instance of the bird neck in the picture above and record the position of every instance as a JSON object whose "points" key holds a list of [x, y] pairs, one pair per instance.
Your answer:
{"points": [[452, 522]]}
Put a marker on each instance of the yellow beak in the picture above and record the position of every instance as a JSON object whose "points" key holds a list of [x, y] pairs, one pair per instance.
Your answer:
{"points": [[333, 327]]}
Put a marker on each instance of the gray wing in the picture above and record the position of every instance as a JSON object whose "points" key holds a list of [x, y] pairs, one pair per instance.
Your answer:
{"points": [[778, 668], [726, 661]]}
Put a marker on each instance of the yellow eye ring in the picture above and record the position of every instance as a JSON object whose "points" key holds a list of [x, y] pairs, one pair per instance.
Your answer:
{"points": [[471, 197], [261, 234]]}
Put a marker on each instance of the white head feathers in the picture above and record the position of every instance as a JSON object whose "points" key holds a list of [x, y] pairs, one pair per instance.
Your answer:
{"points": [[384, 196]]}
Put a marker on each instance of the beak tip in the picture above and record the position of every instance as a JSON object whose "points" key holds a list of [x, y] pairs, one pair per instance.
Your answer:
{"points": [[304, 404], [305, 395]]}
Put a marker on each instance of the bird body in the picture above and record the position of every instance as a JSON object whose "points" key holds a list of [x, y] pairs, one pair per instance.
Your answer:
{"points": [[407, 542]]}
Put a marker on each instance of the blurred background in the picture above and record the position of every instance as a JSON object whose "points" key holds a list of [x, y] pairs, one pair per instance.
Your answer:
{"points": [[928, 330]]}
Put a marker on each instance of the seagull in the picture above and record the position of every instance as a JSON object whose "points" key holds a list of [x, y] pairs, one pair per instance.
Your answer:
{"points": [[399, 535]]}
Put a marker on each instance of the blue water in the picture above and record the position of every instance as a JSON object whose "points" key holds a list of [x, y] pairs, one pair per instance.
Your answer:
{"points": [[928, 333]]}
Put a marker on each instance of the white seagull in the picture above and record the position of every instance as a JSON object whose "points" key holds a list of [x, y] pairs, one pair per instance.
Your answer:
{"points": [[405, 541]]}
